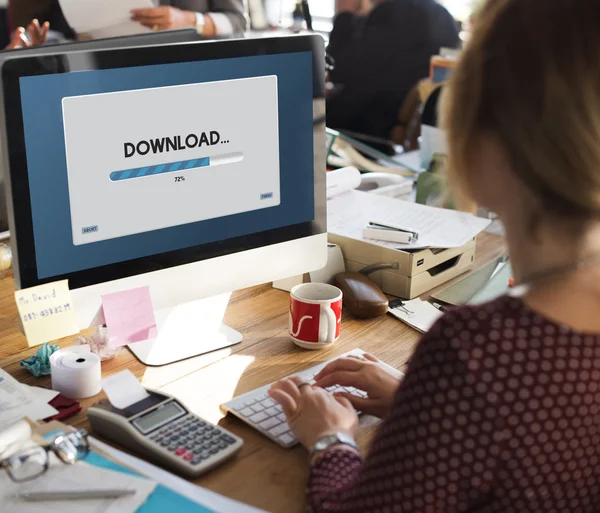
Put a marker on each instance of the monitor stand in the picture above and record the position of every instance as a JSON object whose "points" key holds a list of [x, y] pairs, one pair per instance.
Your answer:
{"points": [[186, 331]]}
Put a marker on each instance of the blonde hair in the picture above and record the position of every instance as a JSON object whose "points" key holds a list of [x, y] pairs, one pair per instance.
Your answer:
{"points": [[530, 77]]}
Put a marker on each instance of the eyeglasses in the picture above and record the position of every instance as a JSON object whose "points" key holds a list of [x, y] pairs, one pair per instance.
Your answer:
{"points": [[27, 463]]}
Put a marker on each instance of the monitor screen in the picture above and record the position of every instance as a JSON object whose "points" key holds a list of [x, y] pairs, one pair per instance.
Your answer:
{"points": [[133, 168]]}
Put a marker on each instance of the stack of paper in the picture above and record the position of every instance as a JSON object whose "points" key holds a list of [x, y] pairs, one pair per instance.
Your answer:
{"points": [[349, 213], [18, 401]]}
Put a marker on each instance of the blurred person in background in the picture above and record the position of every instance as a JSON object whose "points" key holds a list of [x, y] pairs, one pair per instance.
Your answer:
{"points": [[381, 50], [211, 17]]}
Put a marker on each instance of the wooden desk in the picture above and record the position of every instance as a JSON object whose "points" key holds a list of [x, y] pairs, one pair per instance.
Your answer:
{"points": [[263, 475]]}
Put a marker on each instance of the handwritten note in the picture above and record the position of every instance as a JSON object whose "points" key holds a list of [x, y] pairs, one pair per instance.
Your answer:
{"points": [[47, 312], [129, 316]]}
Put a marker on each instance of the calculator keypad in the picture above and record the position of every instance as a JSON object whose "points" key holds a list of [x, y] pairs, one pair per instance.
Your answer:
{"points": [[192, 439]]}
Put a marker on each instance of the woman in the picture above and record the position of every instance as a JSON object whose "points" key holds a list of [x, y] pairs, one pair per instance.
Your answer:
{"points": [[500, 406]]}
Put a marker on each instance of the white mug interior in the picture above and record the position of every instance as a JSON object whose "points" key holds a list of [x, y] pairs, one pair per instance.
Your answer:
{"points": [[316, 293]]}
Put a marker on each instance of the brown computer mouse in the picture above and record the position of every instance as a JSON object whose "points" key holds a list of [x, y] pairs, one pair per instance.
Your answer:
{"points": [[362, 296]]}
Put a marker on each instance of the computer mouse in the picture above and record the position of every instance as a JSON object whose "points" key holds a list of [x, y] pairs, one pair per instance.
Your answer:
{"points": [[362, 297]]}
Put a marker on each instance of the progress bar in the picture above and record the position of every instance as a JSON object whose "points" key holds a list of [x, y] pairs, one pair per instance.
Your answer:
{"points": [[172, 167]]}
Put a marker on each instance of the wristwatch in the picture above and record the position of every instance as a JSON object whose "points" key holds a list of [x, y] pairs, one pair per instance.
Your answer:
{"points": [[330, 440], [199, 23]]}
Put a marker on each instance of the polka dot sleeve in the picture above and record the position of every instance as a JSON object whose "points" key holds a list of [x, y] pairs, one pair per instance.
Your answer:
{"points": [[438, 448]]}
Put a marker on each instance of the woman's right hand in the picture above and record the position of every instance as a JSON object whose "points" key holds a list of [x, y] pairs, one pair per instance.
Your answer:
{"points": [[368, 374], [34, 35]]}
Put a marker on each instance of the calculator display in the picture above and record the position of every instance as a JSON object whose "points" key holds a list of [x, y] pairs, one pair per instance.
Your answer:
{"points": [[159, 417]]}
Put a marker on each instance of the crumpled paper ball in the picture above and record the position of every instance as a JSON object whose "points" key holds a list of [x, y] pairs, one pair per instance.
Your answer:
{"points": [[39, 363], [99, 344]]}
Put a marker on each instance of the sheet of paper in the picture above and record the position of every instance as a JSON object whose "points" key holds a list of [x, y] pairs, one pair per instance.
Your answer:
{"points": [[87, 16], [129, 316], [81, 476], [202, 496], [17, 402], [123, 389], [43, 394], [14, 434], [421, 315], [349, 213], [47, 312]]}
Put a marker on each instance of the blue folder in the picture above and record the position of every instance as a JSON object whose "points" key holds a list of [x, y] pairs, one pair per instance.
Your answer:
{"points": [[160, 500]]}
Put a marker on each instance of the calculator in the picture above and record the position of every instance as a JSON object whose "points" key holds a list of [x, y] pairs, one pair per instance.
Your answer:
{"points": [[161, 429]]}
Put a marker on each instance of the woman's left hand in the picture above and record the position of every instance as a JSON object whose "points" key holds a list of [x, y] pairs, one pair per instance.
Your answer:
{"points": [[311, 412]]}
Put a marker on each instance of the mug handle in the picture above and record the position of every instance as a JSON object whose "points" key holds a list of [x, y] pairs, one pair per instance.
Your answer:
{"points": [[331, 324]]}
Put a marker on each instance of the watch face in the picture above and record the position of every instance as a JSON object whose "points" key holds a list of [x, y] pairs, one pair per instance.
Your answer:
{"points": [[325, 442]]}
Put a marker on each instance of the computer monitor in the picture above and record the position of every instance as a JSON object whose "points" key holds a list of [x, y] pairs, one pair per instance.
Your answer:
{"points": [[194, 169], [152, 38]]}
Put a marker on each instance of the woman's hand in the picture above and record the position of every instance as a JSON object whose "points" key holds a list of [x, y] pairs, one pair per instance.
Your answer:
{"points": [[368, 374], [34, 35], [311, 412], [164, 17]]}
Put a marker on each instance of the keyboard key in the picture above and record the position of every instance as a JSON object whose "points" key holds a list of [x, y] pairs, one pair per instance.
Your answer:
{"points": [[287, 438], [228, 439], [257, 407], [222, 445], [249, 402], [191, 446], [247, 412], [166, 442], [198, 450], [214, 450], [268, 403], [281, 417], [272, 412], [197, 460], [258, 417], [174, 438], [183, 433], [173, 447], [279, 430], [208, 428], [180, 451], [269, 423], [188, 457], [193, 428]]}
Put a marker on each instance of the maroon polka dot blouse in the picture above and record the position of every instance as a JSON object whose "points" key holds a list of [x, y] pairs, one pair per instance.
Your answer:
{"points": [[499, 411]]}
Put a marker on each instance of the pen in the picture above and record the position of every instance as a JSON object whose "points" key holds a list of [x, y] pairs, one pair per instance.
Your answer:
{"points": [[74, 495], [439, 307]]}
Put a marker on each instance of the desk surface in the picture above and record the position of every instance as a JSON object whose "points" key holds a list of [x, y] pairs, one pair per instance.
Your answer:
{"points": [[263, 474]]}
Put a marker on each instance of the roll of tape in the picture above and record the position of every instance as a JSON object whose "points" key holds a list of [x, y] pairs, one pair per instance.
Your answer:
{"points": [[76, 372]]}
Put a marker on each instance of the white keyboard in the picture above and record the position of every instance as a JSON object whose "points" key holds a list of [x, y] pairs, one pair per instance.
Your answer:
{"points": [[266, 416]]}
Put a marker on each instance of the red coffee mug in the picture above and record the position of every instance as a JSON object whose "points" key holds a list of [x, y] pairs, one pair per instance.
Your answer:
{"points": [[315, 315]]}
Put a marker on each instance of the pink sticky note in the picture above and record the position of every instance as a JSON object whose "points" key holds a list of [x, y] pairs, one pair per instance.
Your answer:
{"points": [[129, 316]]}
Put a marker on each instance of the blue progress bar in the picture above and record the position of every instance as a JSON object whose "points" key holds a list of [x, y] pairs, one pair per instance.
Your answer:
{"points": [[159, 169]]}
